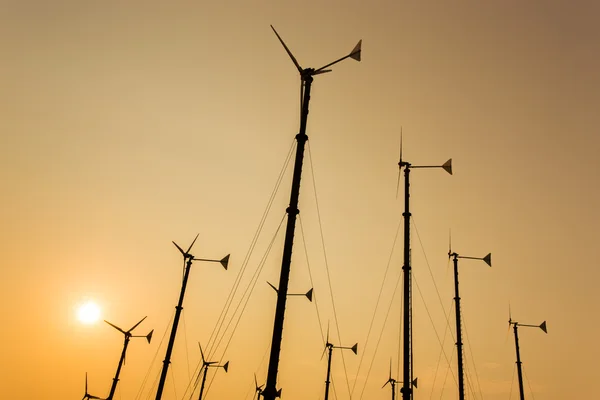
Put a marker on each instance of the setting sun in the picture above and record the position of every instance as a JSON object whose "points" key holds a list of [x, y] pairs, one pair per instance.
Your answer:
{"points": [[88, 313]]}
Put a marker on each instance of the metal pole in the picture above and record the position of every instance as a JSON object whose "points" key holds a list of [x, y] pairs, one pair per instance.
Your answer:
{"points": [[327, 381], [519, 371], [203, 381], [393, 389], [461, 384], [406, 385], [113, 387], [167, 360], [270, 391]]}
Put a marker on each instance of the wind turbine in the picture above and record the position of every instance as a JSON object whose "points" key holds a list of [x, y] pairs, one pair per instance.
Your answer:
{"points": [[188, 258], [87, 395], [128, 336], [406, 269], [455, 256], [515, 325], [392, 382], [329, 348], [257, 388], [306, 79], [205, 366]]}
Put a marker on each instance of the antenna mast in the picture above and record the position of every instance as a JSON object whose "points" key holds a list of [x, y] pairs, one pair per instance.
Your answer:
{"points": [[306, 76]]}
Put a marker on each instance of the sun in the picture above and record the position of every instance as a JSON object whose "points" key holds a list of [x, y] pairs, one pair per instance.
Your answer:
{"points": [[88, 313]]}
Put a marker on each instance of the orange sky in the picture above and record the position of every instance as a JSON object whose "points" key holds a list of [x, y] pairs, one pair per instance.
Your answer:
{"points": [[123, 127]]}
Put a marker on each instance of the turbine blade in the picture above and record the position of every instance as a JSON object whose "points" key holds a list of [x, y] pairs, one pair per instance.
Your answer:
{"points": [[399, 164], [225, 261], [448, 166], [135, 326], [201, 353], [449, 242], [355, 53], [385, 384], [190, 248], [390, 369], [255, 382], [179, 248], [116, 327], [322, 71], [274, 288], [287, 50], [488, 259]]}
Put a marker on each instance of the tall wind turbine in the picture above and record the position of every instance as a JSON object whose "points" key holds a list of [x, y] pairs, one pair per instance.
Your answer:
{"points": [[128, 336], [204, 369], [407, 278], [515, 325], [306, 78], [455, 256], [188, 258]]}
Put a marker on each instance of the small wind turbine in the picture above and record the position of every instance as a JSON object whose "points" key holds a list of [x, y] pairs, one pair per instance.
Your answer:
{"points": [[87, 395], [329, 348], [205, 366], [515, 325], [406, 270], [188, 258], [393, 382], [257, 388], [488, 260], [306, 78], [128, 336]]}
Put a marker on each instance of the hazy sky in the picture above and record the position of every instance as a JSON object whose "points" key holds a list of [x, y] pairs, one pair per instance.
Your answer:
{"points": [[126, 125]]}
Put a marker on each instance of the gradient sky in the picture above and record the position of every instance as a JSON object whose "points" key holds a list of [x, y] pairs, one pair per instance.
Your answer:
{"points": [[126, 126]]}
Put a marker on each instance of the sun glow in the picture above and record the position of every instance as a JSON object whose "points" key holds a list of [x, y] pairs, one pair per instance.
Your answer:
{"points": [[88, 313]]}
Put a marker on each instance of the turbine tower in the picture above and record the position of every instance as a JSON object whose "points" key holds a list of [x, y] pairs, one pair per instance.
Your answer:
{"points": [[407, 278], [455, 256], [515, 325], [128, 336], [187, 265], [306, 78]]}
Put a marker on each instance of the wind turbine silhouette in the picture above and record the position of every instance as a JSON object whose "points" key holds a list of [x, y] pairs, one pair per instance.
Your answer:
{"points": [[329, 348], [515, 325], [257, 388], [306, 78], [128, 336], [87, 395], [188, 258], [205, 366], [393, 382]]}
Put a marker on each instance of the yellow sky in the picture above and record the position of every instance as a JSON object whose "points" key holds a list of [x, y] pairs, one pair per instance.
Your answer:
{"points": [[126, 126]]}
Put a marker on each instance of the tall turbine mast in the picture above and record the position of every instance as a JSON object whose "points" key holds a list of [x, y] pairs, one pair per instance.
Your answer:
{"points": [[306, 79], [406, 269], [488, 260], [128, 336], [187, 265], [515, 325]]}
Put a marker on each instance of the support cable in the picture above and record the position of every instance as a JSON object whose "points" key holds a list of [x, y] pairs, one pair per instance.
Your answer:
{"points": [[337, 325], [224, 312]]}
